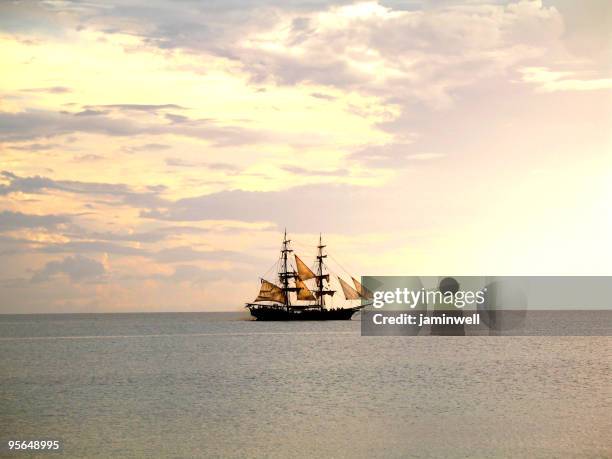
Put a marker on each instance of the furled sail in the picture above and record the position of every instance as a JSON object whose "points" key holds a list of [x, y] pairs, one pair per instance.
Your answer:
{"points": [[304, 292], [270, 292], [349, 292], [363, 292], [304, 271]]}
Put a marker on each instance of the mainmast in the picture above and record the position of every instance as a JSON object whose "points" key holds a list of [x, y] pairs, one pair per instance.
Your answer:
{"points": [[284, 275], [321, 276]]}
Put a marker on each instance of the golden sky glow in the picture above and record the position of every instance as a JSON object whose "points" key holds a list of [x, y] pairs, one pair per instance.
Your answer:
{"points": [[153, 154]]}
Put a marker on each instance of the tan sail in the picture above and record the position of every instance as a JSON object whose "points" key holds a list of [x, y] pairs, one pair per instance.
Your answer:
{"points": [[304, 292], [349, 292], [304, 271], [270, 292], [363, 292]]}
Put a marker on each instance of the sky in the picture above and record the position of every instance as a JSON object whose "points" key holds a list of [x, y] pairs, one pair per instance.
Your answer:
{"points": [[152, 152]]}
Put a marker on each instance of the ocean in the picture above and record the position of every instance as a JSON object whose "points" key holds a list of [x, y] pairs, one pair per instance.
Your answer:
{"points": [[217, 385]]}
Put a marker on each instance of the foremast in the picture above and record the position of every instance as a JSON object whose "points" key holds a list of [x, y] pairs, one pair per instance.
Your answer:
{"points": [[285, 274]]}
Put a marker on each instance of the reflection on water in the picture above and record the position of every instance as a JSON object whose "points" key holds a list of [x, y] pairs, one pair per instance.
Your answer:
{"points": [[213, 385]]}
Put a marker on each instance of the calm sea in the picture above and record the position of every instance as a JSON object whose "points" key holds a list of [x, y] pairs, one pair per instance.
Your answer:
{"points": [[217, 385]]}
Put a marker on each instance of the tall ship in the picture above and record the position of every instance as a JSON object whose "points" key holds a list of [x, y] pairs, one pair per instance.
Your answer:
{"points": [[300, 292]]}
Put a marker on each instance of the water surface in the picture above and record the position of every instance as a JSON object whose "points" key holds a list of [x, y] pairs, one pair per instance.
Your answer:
{"points": [[215, 385]]}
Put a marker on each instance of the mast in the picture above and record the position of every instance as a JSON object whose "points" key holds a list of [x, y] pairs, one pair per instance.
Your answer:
{"points": [[284, 275], [321, 276]]}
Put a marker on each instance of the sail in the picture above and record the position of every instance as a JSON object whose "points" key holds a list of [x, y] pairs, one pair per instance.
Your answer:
{"points": [[304, 271], [349, 292], [304, 292], [363, 292], [270, 292]]}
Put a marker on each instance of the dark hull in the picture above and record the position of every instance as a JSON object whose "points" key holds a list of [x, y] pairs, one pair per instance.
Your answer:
{"points": [[271, 313]]}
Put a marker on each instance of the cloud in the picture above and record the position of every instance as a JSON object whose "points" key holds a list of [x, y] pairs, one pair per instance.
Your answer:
{"points": [[171, 255], [150, 236], [194, 275], [410, 51], [148, 147], [226, 167], [417, 49], [77, 268], [40, 185], [178, 162], [37, 184], [587, 28], [92, 247], [50, 90], [16, 220], [185, 254], [391, 156], [324, 207], [318, 95], [223, 167], [552, 81], [35, 147], [189, 273], [311, 172], [136, 236], [111, 243], [35, 124], [405, 55], [150, 108], [90, 112], [177, 118], [88, 158]]}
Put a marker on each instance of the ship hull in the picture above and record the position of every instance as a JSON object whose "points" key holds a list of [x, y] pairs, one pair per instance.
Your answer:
{"points": [[281, 314]]}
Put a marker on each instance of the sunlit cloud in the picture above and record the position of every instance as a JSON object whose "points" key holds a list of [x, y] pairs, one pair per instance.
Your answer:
{"points": [[550, 81]]}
